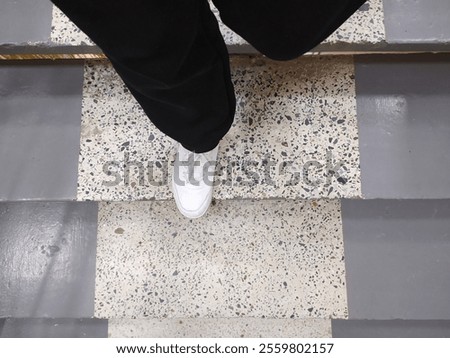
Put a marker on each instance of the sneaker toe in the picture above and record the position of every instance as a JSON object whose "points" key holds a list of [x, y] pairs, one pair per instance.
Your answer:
{"points": [[194, 204]]}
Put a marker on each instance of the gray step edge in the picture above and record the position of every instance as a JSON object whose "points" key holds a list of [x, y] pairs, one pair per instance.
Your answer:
{"points": [[8, 51]]}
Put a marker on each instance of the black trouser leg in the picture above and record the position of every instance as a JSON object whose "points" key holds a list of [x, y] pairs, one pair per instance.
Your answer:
{"points": [[173, 59], [285, 29]]}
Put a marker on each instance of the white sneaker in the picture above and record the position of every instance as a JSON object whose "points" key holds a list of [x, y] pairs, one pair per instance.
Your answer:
{"points": [[192, 181]]}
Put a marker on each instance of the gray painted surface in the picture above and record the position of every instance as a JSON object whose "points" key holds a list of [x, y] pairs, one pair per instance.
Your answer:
{"points": [[47, 256], [53, 328], [397, 255], [404, 123], [390, 329], [40, 119], [417, 20], [25, 21]]}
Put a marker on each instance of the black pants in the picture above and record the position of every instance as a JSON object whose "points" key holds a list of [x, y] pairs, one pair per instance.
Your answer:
{"points": [[173, 59]]}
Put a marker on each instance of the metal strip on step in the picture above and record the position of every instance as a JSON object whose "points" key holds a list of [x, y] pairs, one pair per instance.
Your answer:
{"points": [[31, 57]]}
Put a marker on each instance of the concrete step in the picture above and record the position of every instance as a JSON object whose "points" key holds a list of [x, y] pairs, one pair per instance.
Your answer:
{"points": [[397, 254], [30, 30], [404, 126], [219, 328], [365, 28], [40, 109], [290, 261], [323, 127], [277, 328], [47, 255], [261, 259], [391, 329], [295, 123], [53, 328]]}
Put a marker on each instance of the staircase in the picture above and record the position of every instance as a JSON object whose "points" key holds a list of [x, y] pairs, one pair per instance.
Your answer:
{"points": [[331, 211]]}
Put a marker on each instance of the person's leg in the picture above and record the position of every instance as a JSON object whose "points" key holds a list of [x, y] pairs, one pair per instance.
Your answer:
{"points": [[285, 29], [173, 59]]}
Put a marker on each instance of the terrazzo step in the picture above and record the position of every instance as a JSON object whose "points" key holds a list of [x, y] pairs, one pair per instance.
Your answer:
{"points": [[219, 328], [322, 127], [273, 259], [277, 328], [363, 30], [278, 260], [295, 135], [31, 29]]}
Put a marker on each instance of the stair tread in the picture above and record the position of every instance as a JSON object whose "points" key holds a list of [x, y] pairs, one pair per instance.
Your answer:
{"points": [[377, 27], [365, 26], [219, 328], [270, 259], [39, 130], [292, 118]]}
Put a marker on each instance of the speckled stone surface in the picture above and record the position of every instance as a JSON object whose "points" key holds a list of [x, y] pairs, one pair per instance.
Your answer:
{"points": [[365, 26], [219, 328], [65, 32], [294, 136], [261, 259]]}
